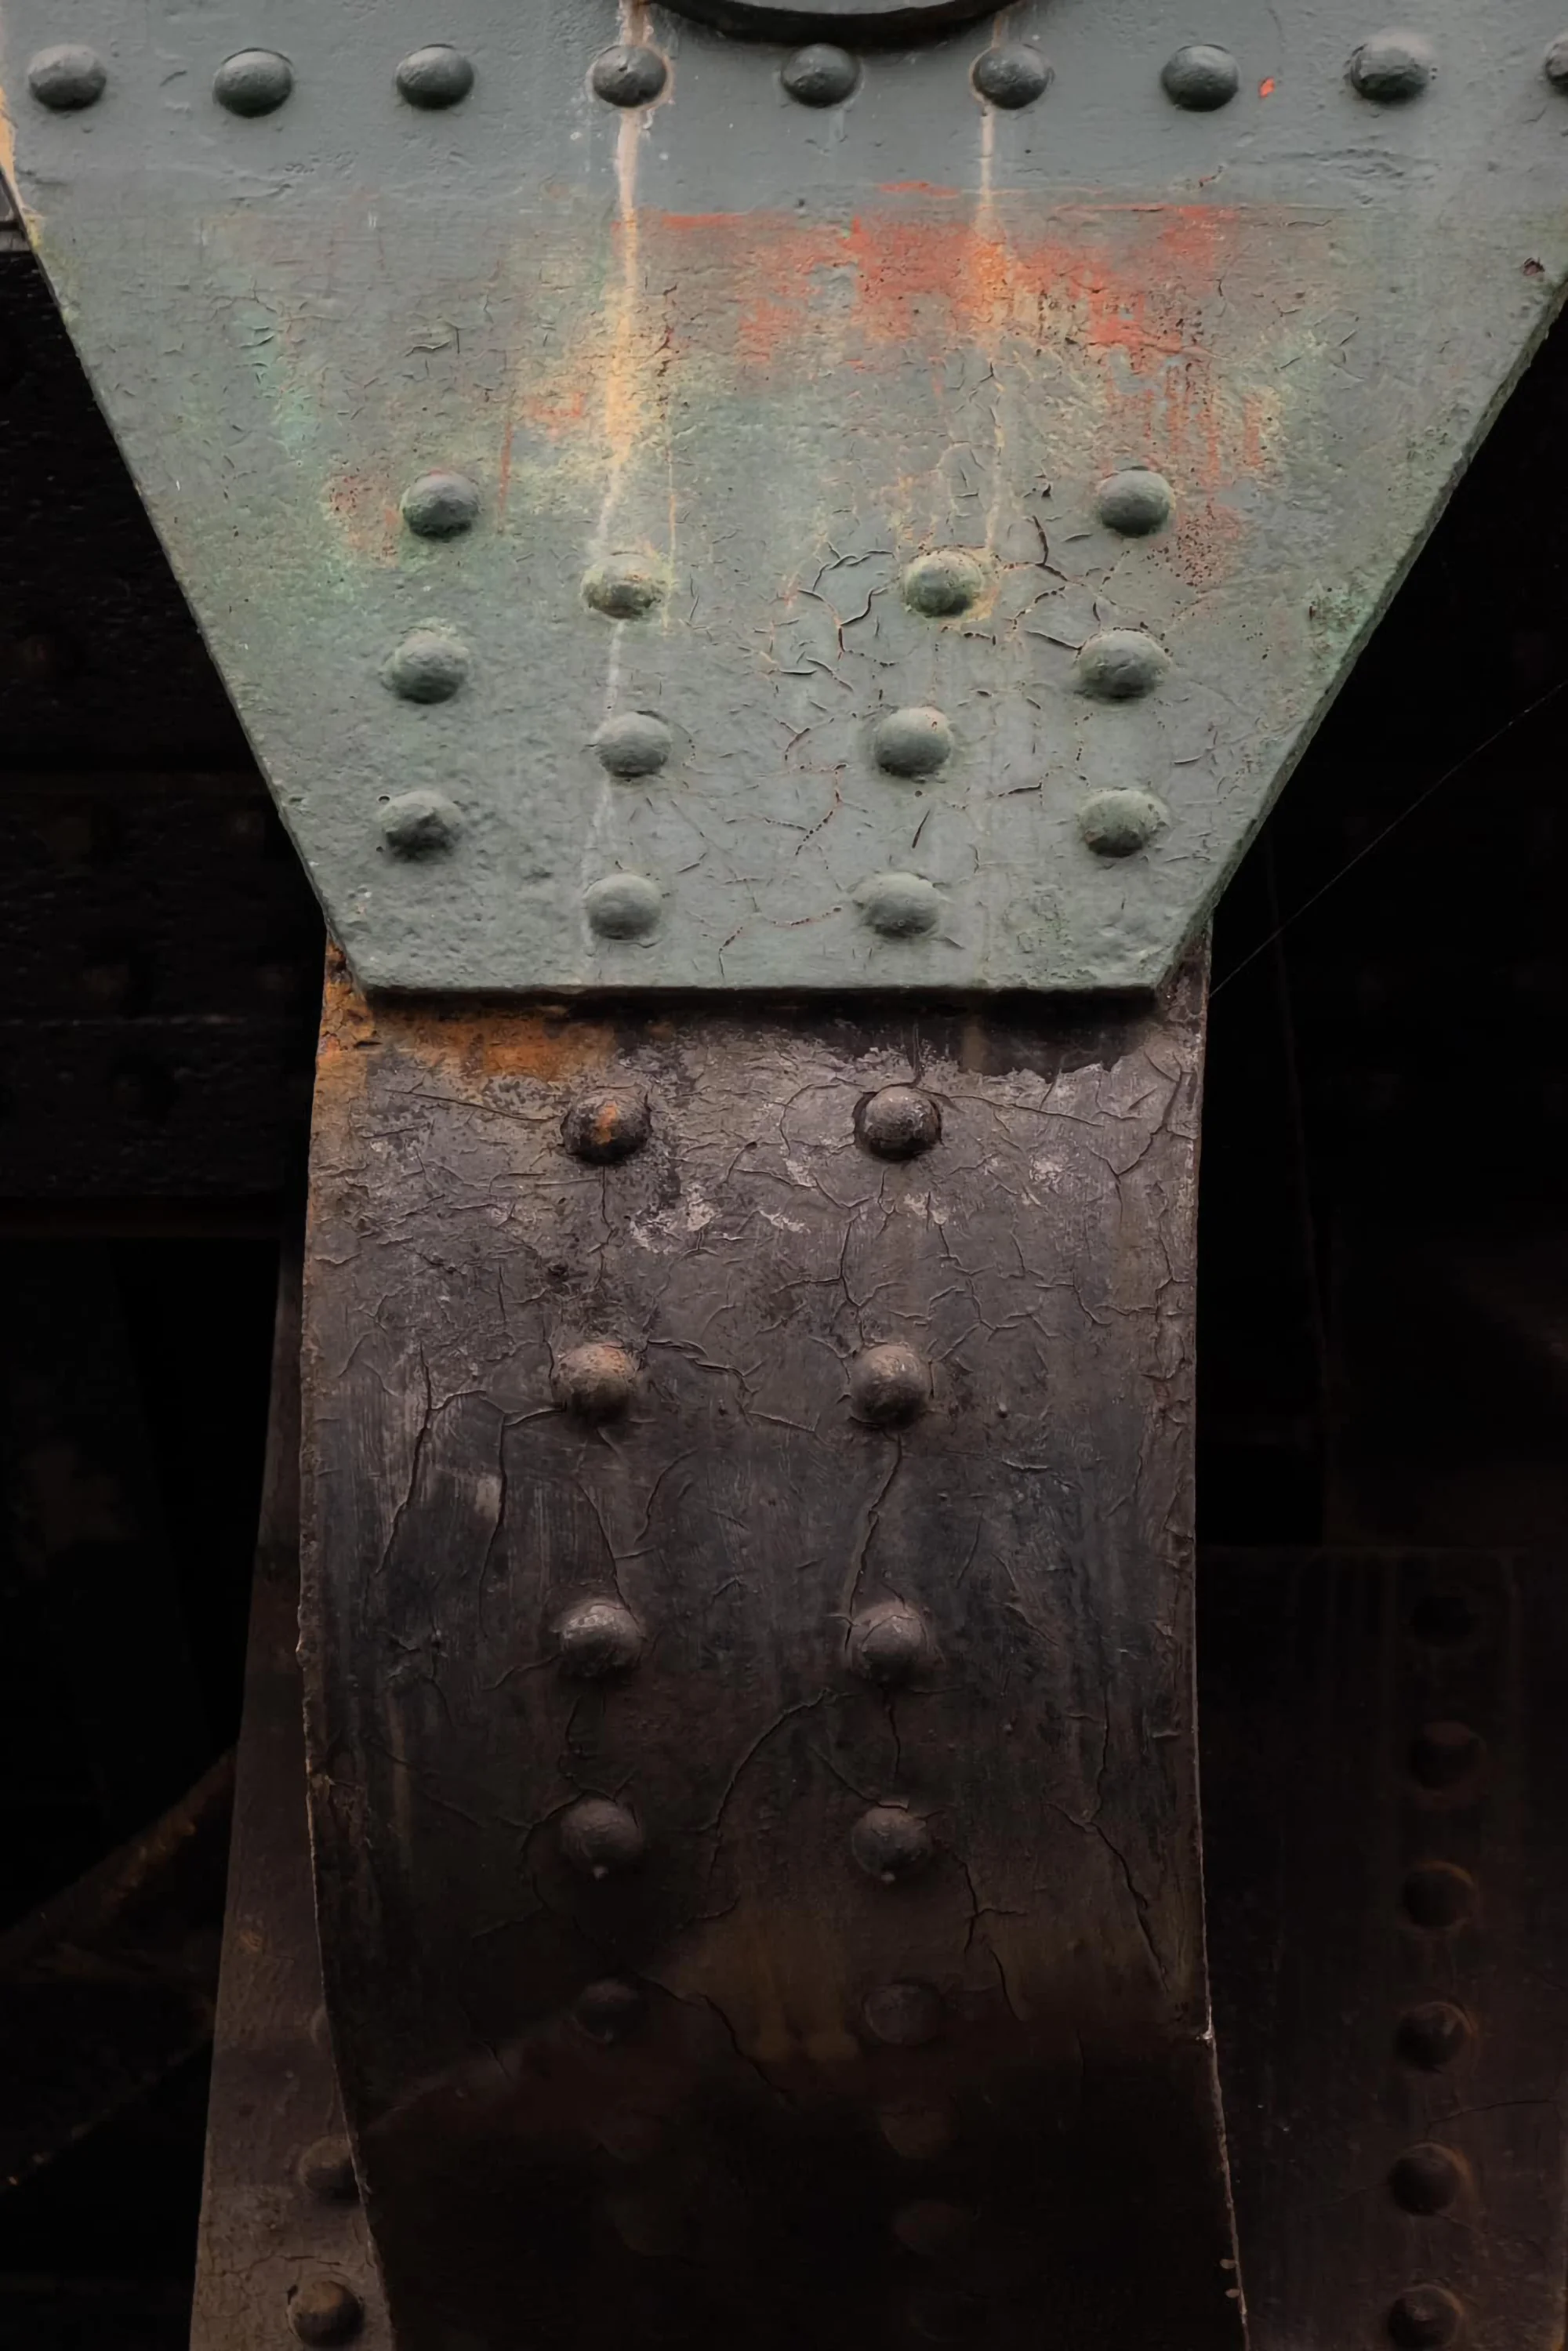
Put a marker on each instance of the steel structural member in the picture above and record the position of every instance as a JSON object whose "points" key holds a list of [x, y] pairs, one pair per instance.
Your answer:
{"points": [[764, 551]]}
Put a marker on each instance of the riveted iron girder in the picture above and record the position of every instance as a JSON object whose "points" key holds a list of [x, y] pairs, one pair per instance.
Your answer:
{"points": [[716, 356]]}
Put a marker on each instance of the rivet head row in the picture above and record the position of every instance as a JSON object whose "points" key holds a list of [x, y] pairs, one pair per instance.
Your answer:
{"points": [[918, 2129], [326, 2171], [891, 1844], [1137, 502], [323, 2310], [421, 823], [898, 1123], [609, 2010], [944, 583], [597, 1638], [903, 2015], [1438, 1896], [1392, 68], [441, 505], [623, 907], [1443, 1755], [605, 1128], [1554, 64], [888, 1385], [934, 2230], [1200, 77], [637, 744], [600, 1839], [628, 75], [1425, 2180], [899, 905], [1013, 74], [1432, 2035], [596, 1381], [913, 742], [1120, 664], [888, 1644], [430, 665], [622, 588], [252, 82], [1424, 2318], [819, 75], [1119, 822], [67, 77], [434, 76]]}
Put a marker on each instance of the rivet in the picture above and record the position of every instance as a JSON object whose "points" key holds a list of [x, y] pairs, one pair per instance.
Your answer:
{"points": [[934, 2230], [1118, 823], [623, 907], [324, 2310], [941, 584], [635, 745], [1136, 501], [1200, 77], [429, 665], [326, 2171], [441, 505], [914, 742], [819, 75], [1392, 68], [606, 1128], [1013, 75], [600, 1839], [421, 823], [1425, 2180], [1432, 2035], [609, 2010], [1119, 665], [630, 2136], [628, 75], [67, 77], [899, 905], [598, 1637], [903, 2015], [436, 76], [888, 1383], [598, 1381], [253, 82], [1442, 1754], [1424, 2318], [1554, 64], [1443, 1619], [918, 2129], [622, 588], [1438, 1896], [891, 1843], [887, 1644], [898, 1122]]}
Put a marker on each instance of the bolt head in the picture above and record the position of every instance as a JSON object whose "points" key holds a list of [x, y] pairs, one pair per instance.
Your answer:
{"points": [[326, 2171], [899, 905], [434, 76], [1013, 74], [598, 1637], [888, 1385], [430, 665], [252, 82], [1443, 1755], [324, 2310], [623, 588], [944, 583], [1137, 501], [1425, 2180], [637, 744], [1433, 2035], [1439, 1896], [898, 1123], [819, 75], [419, 824], [1392, 68], [1118, 823], [1200, 77], [903, 2015], [1424, 2318], [887, 1644], [67, 77], [914, 742], [609, 2010], [600, 1839], [628, 75], [891, 1844], [623, 907], [606, 1128], [597, 1382], [1120, 664]]}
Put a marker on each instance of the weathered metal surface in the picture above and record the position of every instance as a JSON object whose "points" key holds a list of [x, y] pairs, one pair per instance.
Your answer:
{"points": [[556, 1364], [730, 364], [280, 2216], [1386, 1776]]}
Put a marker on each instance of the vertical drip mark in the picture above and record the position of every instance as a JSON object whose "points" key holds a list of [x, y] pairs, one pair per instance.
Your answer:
{"points": [[989, 260]]}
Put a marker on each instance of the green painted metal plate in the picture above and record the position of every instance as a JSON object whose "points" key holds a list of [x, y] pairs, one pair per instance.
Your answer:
{"points": [[731, 364]]}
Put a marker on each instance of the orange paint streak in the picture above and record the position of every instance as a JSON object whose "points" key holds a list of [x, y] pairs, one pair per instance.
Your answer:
{"points": [[1266, 88]]}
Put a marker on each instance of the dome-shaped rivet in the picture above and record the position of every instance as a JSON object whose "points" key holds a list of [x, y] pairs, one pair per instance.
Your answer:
{"points": [[1119, 822], [903, 2015], [1432, 2035], [918, 2129], [913, 742], [1554, 64], [899, 905], [1445, 1754], [609, 2011], [434, 76], [628, 75], [934, 2230], [1392, 68], [1200, 77], [1424, 2318], [598, 1381], [67, 77], [888, 1383], [440, 505], [944, 583], [253, 82], [598, 1637], [1013, 74], [1425, 2180], [325, 2311], [1119, 665], [600, 1839], [1137, 501], [430, 665], [1438, 1896], [887, 1644], [638, 744], [622, 588], [607, 1127], [419, 824], [819, 75], [891, 1844], [898, 1123], [623, 907], [326, 2171]]}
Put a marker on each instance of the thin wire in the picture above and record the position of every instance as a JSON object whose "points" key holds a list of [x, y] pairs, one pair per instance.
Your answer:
{"points": [[1476, 752]]}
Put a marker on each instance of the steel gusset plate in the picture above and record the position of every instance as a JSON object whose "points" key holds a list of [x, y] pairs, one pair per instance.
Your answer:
{"points": [[714, 369], [753, 1770]]}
